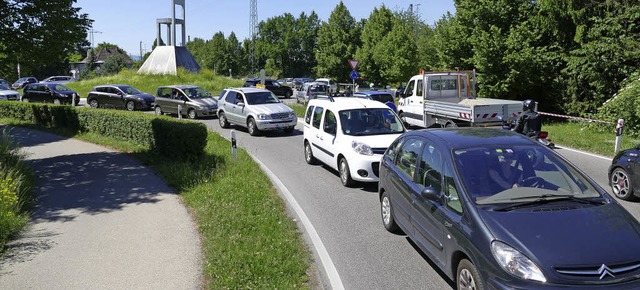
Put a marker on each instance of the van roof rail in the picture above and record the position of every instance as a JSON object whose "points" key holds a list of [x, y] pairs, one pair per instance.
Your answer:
{"points": [[331, 99]]}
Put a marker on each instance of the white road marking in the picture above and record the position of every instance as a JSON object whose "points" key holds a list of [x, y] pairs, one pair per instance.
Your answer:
{"points": [[325, 259], [585, 153]]}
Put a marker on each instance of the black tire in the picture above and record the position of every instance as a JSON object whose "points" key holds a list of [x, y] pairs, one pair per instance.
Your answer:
{"points": [[191, 114], [403, 118], [345, 174], [93, 103], [26, 100], [252, 127], [621, 184], [130, 106], [289, 130], [386, 212], [467, 277], [288, 94], [222, 119], [308, 154], [158, 110]]}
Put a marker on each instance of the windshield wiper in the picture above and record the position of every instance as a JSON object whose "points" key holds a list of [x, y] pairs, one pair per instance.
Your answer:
{"points": [[547, 198]]}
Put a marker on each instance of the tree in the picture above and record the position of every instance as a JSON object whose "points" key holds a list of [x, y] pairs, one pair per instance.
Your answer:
{"points": [[338, 39], [380, 23], [114, 65], [39, 35]]}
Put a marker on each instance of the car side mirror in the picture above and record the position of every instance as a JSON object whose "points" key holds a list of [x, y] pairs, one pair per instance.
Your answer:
{"points": [[430, 193], [402, 95], [241, 104]]}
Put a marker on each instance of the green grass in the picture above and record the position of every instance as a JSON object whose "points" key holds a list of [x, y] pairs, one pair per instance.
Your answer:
{"points": [[299, 109], [587, 137], [149, 83]]}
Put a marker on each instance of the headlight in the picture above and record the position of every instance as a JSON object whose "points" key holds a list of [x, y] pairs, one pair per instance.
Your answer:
{"points": [[515, 263], [264, 117], [292, 114], [361, 148]]}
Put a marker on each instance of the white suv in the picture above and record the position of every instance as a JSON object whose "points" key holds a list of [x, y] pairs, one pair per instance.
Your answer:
{"points": [[333, 86], [256, 109], [349, 135]]}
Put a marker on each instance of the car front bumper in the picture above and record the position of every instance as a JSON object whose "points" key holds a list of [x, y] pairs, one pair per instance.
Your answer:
{"points": [[265, 125], [365, 168]]}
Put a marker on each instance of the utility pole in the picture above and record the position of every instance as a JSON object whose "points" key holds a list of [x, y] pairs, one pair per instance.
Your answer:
{"points": [[253, 26], [92, 32]]}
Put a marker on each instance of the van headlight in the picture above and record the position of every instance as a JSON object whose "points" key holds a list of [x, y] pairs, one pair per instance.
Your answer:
{"points": [[361, 148], [515, 263], [264, 117]]}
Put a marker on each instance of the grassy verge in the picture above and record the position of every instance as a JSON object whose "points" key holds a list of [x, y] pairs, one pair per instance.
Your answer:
{"points": [[299, 109], [16, 190], [248, 239], [585, 136]]}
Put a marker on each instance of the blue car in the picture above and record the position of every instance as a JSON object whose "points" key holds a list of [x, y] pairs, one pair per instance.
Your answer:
{"points": [[493, 209], [380, 96]]}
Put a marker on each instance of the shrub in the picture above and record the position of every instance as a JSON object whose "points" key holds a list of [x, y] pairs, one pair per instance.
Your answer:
{"points": [[626, 105]]}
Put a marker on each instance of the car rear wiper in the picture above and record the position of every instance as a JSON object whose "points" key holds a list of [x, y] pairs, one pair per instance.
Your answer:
{"points": [[547, 198]]}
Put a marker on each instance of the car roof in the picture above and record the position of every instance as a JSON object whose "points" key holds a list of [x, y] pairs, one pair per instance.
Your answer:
{"points": [[371, 93], [472, 136], [247, 90], [182, 87], [342, 103]]}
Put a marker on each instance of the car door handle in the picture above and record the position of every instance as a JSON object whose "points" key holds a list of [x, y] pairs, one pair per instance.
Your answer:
{"points": [[448, 224], [319, 137]]}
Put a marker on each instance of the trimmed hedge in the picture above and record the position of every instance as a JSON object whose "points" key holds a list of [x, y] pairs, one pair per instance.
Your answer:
{"points": [[162, 135]]}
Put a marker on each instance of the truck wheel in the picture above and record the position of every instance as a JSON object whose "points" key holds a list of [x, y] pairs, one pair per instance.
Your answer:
{"points": [[403, 117]]}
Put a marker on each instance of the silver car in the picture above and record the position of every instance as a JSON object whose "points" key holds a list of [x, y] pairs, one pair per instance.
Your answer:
{"points": [[256, 109], [7, 94]]}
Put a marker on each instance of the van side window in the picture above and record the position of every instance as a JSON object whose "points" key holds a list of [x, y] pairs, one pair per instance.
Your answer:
{"points": [[330, 123], [317, 116], [307, 116], [419, 89]]}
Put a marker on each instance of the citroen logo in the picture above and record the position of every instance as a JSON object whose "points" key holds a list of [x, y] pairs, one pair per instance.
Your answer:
{"points": [[604, 271]]}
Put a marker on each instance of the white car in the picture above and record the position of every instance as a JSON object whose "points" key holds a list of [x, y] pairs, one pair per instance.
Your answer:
{"points": [[333, 86], [349, 135], [256, 109], [312, 90], [8, 94]]}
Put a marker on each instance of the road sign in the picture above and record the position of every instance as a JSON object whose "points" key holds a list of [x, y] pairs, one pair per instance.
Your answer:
{"points": [[354, 75], [354, 64]]}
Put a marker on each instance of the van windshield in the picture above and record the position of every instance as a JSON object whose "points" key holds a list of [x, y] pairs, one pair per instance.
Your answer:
{"points": [[374, 121]]}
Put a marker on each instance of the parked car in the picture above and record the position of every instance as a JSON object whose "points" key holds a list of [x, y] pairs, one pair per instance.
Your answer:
{"points": [[271, 85], [255, 109], [623, 173], [193, 101], [349, 135], [50, 93], [493, 209], [59, 79], [312, 90], [299, 82], [4, 82], [119, 97], [21, 82], [333, 86], [8, 94]]}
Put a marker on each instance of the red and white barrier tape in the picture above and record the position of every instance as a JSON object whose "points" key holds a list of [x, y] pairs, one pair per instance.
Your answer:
{"points": [[577, 118]]}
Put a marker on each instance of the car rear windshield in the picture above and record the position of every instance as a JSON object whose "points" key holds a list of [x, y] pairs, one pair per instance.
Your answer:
{"points": [[261, 98], [509, 174], [370, 121]]}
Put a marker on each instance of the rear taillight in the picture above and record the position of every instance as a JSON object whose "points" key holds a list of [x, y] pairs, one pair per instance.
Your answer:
{"points": [[543, 134]]}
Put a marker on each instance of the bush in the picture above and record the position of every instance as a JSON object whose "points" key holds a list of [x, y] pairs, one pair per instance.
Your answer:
{"points": [[162, 135], [16, 190], [624, 105]]}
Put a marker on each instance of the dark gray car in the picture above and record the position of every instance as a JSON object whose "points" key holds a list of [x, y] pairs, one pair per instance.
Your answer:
{"points": [[193, 101], [119, 97]]}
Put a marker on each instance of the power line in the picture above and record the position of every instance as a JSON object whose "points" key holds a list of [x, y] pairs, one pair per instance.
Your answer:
{"points": [[92, 32]]}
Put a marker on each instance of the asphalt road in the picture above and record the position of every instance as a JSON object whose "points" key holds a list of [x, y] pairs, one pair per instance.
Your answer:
{"points": [[347, 220]]}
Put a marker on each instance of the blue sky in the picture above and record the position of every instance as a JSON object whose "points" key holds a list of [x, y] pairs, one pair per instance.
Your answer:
{"points": [[126, 23]]}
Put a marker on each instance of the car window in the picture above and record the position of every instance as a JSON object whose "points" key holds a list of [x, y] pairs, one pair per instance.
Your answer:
{"points": [[177, 94], [3, 87], [383, 98], [317, 116], [259, 98], [164, 93], [197, 93], [330, 123], [394, 148], [451, 191], [409, 88], [112, 90], [419, 88], [130, 90], [231, 97], [222, 94], [430, 170], [408, 156], [101, 89], [307, 116]]}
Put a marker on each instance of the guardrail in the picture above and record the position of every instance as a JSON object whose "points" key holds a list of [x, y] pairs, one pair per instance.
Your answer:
{"points": [[618, 129]]}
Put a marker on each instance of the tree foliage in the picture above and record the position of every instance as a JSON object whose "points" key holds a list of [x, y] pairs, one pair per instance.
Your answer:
{"points": [[39, 35], [338, 39]]}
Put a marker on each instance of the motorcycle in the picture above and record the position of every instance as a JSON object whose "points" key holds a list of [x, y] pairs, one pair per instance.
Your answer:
{"points": [[541, 137]]}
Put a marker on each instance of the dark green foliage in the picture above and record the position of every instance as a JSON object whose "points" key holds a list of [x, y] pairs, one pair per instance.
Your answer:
{"points": [[625, 105], [338, 39], [162, 135]]}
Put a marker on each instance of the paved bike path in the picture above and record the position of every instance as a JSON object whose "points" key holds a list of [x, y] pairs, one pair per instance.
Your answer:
{"points": [[102, 221]]}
